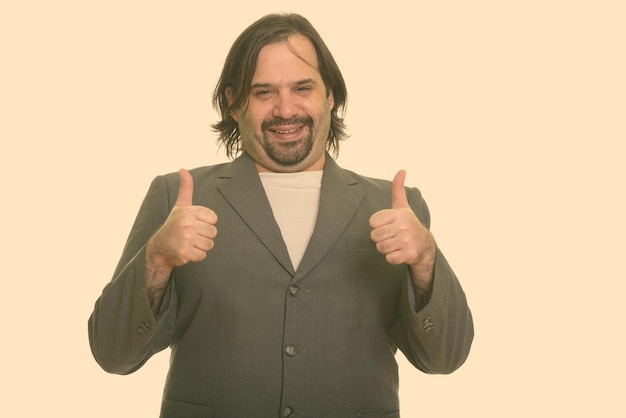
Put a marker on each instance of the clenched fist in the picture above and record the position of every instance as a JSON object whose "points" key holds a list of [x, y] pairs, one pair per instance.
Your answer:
{"points": [[188, 233], [401, 237], [186, 236]]}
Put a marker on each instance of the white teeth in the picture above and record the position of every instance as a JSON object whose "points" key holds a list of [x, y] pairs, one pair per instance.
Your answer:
{"points": [[286, 132]]}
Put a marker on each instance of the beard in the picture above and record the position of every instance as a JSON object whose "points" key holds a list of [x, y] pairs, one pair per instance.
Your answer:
{"points": [[289, 153]]}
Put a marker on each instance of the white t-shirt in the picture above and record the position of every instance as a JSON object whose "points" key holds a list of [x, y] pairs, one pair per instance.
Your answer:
{"points": [[295, 201]]}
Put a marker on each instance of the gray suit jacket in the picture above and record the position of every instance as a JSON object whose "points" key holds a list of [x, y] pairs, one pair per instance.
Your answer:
{"points": [[251, 337]]}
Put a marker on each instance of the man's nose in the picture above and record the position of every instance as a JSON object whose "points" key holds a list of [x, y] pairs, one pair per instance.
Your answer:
{"points": [[285, 106]]}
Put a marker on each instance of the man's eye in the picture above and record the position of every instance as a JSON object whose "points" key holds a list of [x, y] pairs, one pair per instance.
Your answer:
{"points": [[262, 93]]}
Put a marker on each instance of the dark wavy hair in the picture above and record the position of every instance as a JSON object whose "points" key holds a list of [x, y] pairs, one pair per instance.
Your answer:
{"points": [[240, 66]]}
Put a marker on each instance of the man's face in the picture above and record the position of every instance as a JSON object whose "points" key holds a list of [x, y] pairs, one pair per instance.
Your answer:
{"points": [[286, 123]]}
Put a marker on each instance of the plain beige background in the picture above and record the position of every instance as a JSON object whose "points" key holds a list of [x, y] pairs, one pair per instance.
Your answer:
{"points": [[509, 116]]}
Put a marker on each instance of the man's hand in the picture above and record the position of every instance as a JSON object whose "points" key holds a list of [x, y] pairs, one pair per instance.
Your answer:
{"points": [[187, 234], [401, 237]]}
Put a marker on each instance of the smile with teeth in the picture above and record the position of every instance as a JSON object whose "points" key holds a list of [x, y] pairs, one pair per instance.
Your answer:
{"points": [[284, 132]]}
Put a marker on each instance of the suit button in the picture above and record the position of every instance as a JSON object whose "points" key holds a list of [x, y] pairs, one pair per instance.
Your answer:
{"points": [[287, 412], [291, 351], [294, 290]]}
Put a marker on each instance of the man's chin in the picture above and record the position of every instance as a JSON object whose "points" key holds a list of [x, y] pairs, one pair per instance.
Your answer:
{"points": [[287, 163], [289, 154]]}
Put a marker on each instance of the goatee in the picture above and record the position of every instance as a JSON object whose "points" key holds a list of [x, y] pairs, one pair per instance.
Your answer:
{"points": [[288, 153]]}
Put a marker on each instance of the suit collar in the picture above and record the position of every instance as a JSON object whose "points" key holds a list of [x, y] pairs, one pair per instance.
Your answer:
{"points": [[339, 199], [241, 186]]}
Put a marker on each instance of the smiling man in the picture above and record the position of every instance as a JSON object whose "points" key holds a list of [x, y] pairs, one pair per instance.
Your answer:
{"points": [[285, 124], [317, 277]]}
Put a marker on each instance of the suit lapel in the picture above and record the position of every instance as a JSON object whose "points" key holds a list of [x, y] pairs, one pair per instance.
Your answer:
{"points": [[339, 200], [241, 186]]}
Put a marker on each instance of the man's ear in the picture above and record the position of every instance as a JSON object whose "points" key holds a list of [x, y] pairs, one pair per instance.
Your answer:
{"points": [[229, 97], [331, 99]]}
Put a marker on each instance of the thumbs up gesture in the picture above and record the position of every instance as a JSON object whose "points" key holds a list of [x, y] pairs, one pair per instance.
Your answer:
{"points": [[401, 237], [188, 232]]}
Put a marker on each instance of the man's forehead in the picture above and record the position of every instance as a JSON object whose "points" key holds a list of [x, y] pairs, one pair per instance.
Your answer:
{"points": [[296, 46]]}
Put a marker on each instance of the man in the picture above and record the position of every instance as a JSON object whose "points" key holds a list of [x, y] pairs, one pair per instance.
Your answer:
{"points": [[317, 275]]}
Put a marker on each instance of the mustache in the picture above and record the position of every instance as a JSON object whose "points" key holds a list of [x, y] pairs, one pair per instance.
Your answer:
{"points": [[274, 122]]}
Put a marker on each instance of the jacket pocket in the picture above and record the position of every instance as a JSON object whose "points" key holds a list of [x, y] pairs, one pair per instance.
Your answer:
{"points": [[171, 408], [383, 413], [361, 245]]}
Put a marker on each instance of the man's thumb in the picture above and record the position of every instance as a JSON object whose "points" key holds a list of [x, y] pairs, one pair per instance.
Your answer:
{"points": [[185, 192], [398, 193]]}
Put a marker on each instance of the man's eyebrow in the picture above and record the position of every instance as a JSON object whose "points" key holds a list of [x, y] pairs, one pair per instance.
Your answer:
{"points": [[297, 83], [306, 81], [260, 85]]}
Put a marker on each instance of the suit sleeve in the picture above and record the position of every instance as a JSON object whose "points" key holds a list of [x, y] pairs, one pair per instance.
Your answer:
{"points": [[124, 332], [438, 337]]}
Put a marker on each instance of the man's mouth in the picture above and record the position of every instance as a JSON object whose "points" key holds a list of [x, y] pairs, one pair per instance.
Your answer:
{"points": [[286, 131]]}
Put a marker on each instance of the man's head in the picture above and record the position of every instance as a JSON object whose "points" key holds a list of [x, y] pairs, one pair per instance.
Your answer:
{"points": [[279, 73]]}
